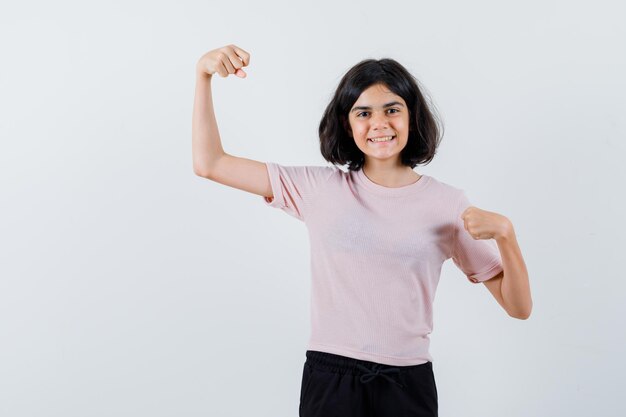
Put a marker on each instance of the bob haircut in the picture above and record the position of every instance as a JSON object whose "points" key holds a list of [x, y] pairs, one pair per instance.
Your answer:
{"points": [[338, 147]]}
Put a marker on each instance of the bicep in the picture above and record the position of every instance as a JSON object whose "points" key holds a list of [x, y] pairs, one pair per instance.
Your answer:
{"points": [[241, 173]]}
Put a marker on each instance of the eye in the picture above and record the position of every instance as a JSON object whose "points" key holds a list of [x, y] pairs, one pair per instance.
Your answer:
{"points": [[360, 114]]}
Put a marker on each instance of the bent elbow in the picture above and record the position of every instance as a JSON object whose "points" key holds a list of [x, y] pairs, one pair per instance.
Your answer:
{"points": [[521, 316], [201, 172]]}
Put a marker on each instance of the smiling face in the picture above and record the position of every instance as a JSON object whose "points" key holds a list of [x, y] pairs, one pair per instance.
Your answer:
{"points": [[378, 113]]}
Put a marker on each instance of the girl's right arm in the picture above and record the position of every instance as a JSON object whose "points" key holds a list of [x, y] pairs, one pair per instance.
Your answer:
{"points": [[209, 159]]}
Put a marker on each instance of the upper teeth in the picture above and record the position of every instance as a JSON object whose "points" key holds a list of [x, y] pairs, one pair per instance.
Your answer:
{"points": [[386, 138]]}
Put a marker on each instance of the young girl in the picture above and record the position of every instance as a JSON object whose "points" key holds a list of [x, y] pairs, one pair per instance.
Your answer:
{"points": [[379, 235]]}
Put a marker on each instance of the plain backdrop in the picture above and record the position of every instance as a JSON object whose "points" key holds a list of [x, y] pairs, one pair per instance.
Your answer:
{"points": [[131, 287]]}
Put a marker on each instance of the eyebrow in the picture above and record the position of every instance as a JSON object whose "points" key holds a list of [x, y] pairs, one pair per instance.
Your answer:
{"points": [[393, 103]]}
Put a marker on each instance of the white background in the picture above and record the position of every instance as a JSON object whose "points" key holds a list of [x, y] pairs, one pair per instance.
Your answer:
{"points": [[131, 287]]}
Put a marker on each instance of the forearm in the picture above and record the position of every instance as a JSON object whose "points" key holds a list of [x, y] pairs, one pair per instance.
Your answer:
{"points": [[515, 283], [206, 143]]}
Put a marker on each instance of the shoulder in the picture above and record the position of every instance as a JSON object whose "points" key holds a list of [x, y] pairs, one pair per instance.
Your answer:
{"points": [[316, 170], [312, 175], [446, 191], [450, 199]]}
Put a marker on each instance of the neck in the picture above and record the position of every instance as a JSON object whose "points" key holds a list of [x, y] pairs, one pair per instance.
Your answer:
{"points": [[390, 176]]}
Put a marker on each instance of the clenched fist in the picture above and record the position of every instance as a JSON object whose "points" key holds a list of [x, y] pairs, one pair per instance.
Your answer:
{"points": [[483, 224], [226, 60]]}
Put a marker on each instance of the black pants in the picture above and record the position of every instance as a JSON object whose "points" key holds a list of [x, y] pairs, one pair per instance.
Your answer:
{"points": [[339, 386]]}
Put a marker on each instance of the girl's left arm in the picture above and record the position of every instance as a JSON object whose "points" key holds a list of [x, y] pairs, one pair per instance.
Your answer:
{"points": [[514, 283]]}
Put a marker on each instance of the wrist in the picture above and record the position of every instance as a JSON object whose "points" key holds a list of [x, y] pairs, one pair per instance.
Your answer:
{"points": [[200, 72], [506, 232]]}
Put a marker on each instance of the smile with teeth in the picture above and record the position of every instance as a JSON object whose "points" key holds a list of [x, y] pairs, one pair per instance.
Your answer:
{"points": [[383, 139]]}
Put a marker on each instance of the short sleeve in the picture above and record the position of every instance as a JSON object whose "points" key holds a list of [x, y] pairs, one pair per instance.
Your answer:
{"points": [[294, 187], [478, 259]]}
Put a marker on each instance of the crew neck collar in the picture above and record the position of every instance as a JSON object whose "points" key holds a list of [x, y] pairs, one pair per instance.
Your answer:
{"points": [[392, 191]]}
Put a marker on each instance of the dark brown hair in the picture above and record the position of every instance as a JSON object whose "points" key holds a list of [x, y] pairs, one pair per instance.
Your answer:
{"points": [[424, 132]]}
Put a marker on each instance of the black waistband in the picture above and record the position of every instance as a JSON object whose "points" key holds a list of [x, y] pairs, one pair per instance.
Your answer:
{"points": [[367, 370]]}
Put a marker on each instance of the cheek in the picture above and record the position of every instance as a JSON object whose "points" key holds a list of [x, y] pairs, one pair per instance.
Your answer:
{"points": [[359, 131]]}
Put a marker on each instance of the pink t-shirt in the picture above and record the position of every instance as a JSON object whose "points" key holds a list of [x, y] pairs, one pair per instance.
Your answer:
{"points": [[376, 257]]}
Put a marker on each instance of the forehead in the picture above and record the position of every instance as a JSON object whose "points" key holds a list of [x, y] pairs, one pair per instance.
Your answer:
{"points": [[376, 94]]}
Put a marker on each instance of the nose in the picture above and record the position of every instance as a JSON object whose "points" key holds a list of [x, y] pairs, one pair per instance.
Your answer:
{"points": [[379, 121]]}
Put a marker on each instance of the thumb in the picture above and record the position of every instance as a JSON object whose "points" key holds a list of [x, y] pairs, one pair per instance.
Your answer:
{"points": [[240, 73]]}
